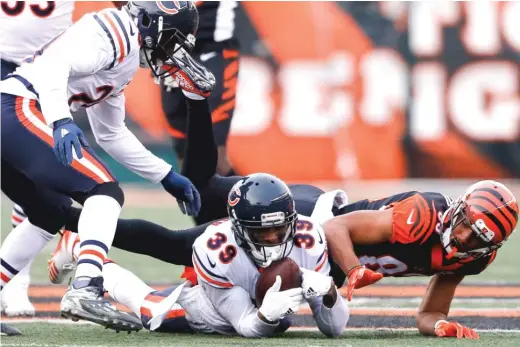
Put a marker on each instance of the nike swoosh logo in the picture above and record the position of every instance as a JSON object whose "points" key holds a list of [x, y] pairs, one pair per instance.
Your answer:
{"points": [[321, 240], [409, 220], [207, 56], [132, 32], [210, 263]]}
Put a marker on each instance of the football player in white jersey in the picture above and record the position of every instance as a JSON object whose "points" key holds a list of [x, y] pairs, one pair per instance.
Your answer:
{"points": [[46, 160], [26, 26], [263, 226]]}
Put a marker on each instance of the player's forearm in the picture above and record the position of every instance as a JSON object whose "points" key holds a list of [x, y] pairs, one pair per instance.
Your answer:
{"points": [[339, 243], [331, 321], [51, 86], [130, 152], [426, 322], [252, 326]]}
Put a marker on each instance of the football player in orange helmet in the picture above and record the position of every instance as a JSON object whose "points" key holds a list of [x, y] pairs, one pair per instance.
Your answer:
{"points": [[455, 238]]}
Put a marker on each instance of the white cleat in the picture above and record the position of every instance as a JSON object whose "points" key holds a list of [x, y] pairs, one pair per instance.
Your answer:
{"points": [[15, 300], [62, 263]]}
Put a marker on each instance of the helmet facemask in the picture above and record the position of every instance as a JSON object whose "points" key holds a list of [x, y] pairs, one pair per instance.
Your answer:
{"points": [[453, 217], [263, 254], [160, 47]]}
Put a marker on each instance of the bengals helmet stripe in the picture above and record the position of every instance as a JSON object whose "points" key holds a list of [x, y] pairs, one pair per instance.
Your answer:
{"points": [[508, 217]]}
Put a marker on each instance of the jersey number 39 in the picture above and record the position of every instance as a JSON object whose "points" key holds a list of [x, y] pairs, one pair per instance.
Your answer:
{"points": [[216, 242]]}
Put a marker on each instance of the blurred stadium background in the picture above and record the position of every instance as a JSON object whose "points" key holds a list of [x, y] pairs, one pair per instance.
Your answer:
{"points": [[372, 97]]}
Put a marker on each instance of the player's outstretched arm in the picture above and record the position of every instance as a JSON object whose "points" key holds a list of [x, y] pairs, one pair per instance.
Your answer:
{"points": [[107, 120], [433, 313], [359, 227], [329, 309]]}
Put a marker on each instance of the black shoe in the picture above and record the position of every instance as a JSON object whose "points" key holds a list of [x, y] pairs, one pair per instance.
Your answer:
{"points": [[6, 330]]}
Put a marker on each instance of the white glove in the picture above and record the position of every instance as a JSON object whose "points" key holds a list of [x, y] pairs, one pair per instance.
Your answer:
{"points": [[314, 283], [278, 304]]}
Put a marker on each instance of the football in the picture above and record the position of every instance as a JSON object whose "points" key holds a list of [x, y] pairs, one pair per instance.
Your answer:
{"points": [[288, 270]]}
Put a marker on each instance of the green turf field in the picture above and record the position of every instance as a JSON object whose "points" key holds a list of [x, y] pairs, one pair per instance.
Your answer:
{"points": [[44, 333], [84, 335]]}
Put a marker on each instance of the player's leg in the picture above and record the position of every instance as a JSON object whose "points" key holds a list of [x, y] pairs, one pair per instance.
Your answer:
{"points": [[128, 289], [132, 235], [46, 216], [6, 67], [15, 296], [29, 148]]}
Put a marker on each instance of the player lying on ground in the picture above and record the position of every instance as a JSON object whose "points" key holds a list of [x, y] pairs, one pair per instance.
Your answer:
{"points": [[263, 227], [413, 228], [89, 65]]}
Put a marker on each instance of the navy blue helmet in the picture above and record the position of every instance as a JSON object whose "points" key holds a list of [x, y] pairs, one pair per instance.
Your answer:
{"points": [[257, 203], [165, 27]]}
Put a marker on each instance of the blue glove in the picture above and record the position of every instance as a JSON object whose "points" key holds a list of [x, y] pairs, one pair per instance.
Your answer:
{"points": [[184, 191], [66, 136]]}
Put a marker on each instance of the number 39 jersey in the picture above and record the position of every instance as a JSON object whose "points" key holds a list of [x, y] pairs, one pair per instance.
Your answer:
{"points": [[27, 25], [221, 263]]}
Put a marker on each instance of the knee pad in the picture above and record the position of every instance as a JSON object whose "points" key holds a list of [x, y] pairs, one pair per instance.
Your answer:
{"points": [[111, 189]]}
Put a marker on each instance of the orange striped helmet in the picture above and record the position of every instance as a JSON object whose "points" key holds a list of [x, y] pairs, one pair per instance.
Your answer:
{"points": [[490, 209]]}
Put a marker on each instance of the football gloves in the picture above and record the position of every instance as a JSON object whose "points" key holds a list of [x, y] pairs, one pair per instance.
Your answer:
{"points": [[277, 304], [184, 191], [453, 329], [314, 284], [67, 135], [359, 277], [195, 80]]}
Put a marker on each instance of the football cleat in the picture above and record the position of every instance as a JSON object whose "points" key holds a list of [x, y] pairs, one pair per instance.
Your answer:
{"points": [[15, 298], [84, 300], [6, 330], [63, 262]]}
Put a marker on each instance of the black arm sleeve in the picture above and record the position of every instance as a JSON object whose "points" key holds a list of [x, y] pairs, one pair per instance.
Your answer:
{"points": [[200, 163]]}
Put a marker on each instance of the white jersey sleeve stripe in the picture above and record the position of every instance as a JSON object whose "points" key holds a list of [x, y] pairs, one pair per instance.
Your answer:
{"points": [[323, 257], [123, 30], [105, 28], [208, 276], [118, 37]]}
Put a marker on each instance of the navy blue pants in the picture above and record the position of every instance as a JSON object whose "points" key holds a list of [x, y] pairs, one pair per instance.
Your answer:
{"points": [[30, 168], [6, 68]]}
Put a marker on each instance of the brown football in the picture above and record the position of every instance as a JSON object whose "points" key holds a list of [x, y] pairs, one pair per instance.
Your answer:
{"points": [[288, 270]]}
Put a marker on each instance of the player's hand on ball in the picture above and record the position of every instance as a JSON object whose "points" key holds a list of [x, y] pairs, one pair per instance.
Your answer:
{"points": [[195, 80], [279, 304], [184, 191], [314, 284], [453, 329], [359, 277]]}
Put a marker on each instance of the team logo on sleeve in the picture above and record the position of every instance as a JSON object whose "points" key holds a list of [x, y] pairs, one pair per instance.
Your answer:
{"points": [[234, 197], [171, 7]]}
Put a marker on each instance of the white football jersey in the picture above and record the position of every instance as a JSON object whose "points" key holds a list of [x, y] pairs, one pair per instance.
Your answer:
{"points": [[28, 25], [220, 262], [223, 300], [89, 65]]}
